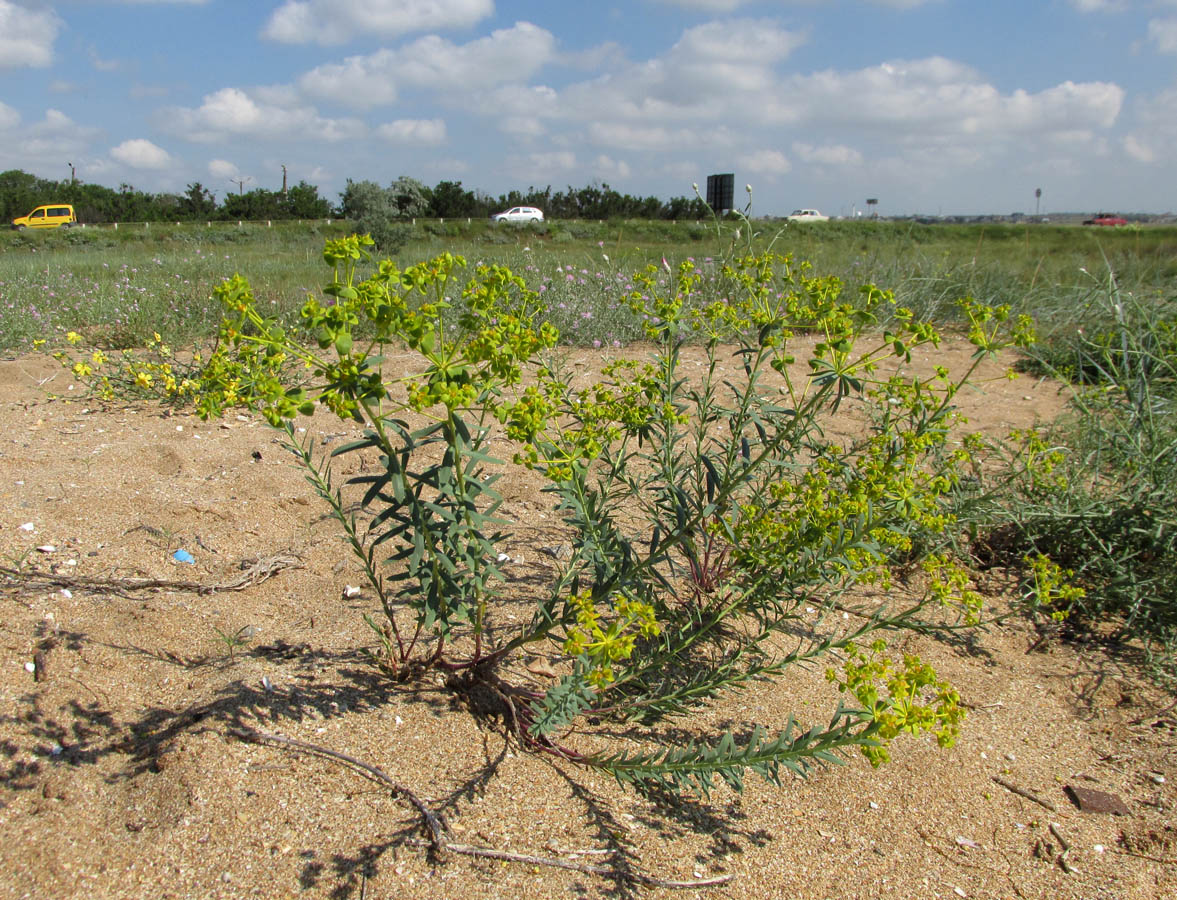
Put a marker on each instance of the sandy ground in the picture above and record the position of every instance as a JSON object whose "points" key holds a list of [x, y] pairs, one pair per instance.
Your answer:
{"points": [[121, 776]]}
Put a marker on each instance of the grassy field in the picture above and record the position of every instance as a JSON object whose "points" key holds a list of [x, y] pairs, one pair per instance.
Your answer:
{"points": [[121, 286]]}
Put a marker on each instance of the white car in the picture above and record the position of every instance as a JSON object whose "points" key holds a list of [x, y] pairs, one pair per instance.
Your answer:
{"points": [[807, 215], [519, 214]]}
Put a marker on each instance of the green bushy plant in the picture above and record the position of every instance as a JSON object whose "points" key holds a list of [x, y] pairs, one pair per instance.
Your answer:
{"points": [[1103, 507], [719, 534]]}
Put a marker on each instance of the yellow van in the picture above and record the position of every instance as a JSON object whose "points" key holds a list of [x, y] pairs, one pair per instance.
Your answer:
{"points": [[52, 215]]}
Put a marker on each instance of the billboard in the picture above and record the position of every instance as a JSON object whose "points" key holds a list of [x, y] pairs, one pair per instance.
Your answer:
{"points": [[721, 192]]}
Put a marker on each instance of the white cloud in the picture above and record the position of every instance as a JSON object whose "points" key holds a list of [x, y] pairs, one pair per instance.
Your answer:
{"points": [[521, 127], [1138, 150], [337, 21], [541, 165], [104, 65], [27, 145], [607, 167], [726, 6], [765, 162], [141, 154], [26, 35], [222, 168], [1163, 33], [715, 72], [722, 89], [448, 167], [559, 159], [935, 96], [1154, 132], [506, 55], [423, 132], [637, 136], [1099, 5], [274, 113], [828, 154], [710, 6], [9, 117]]}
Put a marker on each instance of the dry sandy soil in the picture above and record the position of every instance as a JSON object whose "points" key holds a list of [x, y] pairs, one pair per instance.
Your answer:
{"points": [[121, 775]]}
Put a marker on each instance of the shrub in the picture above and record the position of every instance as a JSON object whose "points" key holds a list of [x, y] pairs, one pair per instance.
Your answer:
{"points": [[1105, 506], [718, 534]]}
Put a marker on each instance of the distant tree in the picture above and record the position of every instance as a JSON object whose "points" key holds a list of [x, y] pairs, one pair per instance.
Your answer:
{"points": [[20, 192], [509, 199], [374, 211], [198, 202], [410, 198], [361, 198], [303, 202], [254, 205], [449, 201]]}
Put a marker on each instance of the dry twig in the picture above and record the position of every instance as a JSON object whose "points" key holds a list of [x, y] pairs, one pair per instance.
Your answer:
{"points": [[437, 843], [1172, 861], [433, 821], [259, 571], [1022, 792], [1062, 857]]}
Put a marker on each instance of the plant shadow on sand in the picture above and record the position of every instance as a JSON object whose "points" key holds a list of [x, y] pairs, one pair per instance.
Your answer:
{"points": [[89, 733]]}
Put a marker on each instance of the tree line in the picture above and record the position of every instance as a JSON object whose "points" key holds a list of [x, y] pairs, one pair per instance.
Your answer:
{"points": [[405, 198], [21, 192]]}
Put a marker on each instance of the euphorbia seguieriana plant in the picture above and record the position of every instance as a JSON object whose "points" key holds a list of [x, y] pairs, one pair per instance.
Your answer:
{"points": [[718, 534]]}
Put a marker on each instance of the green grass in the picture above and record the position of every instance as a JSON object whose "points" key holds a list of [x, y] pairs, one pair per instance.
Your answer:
{"points": [[122, 286]]}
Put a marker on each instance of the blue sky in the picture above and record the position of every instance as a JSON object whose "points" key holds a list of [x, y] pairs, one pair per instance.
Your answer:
{"points": [[931, 106]]}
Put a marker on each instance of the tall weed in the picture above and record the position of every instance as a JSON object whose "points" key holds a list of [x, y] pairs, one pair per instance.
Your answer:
{"points": [[1107, 509]]}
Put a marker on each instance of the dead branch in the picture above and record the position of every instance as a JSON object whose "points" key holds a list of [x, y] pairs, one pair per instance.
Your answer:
{"points": [[1172, 861], [437, 843], [258, 571], [435, 823], [1022, 792], [1062, 857]]}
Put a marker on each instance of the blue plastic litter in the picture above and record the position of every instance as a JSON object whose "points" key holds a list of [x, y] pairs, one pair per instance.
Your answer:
{"points": [[183, 556]]}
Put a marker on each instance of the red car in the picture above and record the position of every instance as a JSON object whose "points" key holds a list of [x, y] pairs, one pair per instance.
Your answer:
{"points": [[1106, 219]]}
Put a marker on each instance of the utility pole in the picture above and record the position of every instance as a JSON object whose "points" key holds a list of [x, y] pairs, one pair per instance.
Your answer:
{"points": [[240, 181], [73, 174], [1037, 197], [283, 182]]}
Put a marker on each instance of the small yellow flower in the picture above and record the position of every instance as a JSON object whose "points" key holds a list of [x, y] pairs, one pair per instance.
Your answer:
{"points": [[143, 380], [38, 343], [98, 357], [82, 369], [74, 338]]}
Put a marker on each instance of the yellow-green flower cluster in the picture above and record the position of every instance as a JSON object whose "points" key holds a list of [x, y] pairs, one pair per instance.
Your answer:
{"points": [[898, 698], [948, 584], [990, 327], [1051, 589], [607, 642], [499, 330]]}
